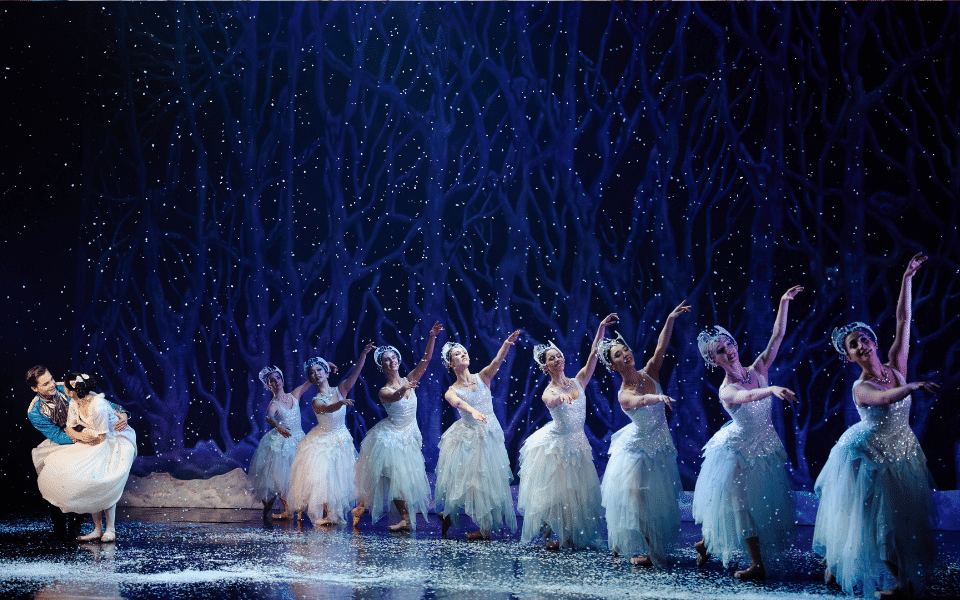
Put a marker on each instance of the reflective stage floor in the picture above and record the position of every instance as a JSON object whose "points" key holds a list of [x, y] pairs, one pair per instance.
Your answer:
{"points": [[195, 553]]}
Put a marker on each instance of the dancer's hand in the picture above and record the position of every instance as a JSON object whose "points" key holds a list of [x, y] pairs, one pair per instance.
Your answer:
{"points": [[348, 401], [283, 431], [437, 328], [408, 385], [679, 310], [479, 416], [783, 393], [792, 292], [914, 264], [667, 400], [928, 386], [121, 423], [610, 319], [368, 349], [568, 398], [512, 338], [333, 368]]}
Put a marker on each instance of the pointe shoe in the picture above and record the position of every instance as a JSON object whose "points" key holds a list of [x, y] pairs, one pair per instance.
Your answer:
{"points": [[641, 561], [403, 525], [702, 555], [893, 594], [325, 522], [751, 572], [476, 535], [358, 514], [828, 577], [93, 535], [109, 536], [285, 515]]}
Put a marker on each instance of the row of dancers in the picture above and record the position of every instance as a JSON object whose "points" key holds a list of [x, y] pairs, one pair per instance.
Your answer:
{"points": [[876, 510]]}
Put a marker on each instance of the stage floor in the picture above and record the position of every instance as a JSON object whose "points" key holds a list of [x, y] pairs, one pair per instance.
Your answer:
{"points": [[201, 553]]}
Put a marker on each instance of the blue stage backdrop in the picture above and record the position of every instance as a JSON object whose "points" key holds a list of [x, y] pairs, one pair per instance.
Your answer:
{"points": [[262, 183]]}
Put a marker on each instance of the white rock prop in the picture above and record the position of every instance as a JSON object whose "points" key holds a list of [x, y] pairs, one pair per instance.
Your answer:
{"points": [[161, 490]]}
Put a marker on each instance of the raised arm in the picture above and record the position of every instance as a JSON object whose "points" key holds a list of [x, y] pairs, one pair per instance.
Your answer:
{"points": [[489, 372], [421, 368], [300, 389], [900, 350], [766, 358], [457, 402], [867, 394], [656, 361], [351, 379], [587, 371]]}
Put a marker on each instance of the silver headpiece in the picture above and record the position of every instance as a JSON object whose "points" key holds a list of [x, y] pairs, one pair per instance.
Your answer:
{"points": [[606, 345], [316, 360], [840, 333], [378, 354], [706, 339], [265, 372], [447, 349], [539, 352]]}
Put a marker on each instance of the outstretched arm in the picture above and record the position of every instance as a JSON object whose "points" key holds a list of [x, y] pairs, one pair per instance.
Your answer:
{"points": [[630, 399], [421, 368], [300, 389], [656, 361], [351, 379], [587, 371], [488, 372], [457, 402], [763, 362], [867, 394], [734, 394], [900, 350]]}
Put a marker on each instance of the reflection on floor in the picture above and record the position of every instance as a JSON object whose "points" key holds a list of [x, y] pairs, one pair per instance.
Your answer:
{"points": [[194, 554]]}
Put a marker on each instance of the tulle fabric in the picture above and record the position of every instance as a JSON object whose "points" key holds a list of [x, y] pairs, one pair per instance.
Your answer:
{"points": [[640, 491], [323, 469], [83, 478], [473, 469], [270, 465], [390, 466], [876, 504]]}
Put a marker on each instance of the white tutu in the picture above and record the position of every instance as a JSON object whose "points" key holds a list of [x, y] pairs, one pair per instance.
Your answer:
{"points": [[390, 466], [473, 470], [742, 490], [641, 486], [559, 487], [323, 469], [270, 465], [876, 504], [83, 478]]}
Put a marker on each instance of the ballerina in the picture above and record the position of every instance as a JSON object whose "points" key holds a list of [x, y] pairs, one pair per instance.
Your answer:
{"points": [[321, 476], [473, 470], [390, 467], [742, 495], [876, 503], [642, 483], [89, 475], [559, 487], [270, 465]]}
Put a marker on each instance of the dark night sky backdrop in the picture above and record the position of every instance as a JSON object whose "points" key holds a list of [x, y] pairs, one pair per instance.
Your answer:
{"points": [[193, 191]]}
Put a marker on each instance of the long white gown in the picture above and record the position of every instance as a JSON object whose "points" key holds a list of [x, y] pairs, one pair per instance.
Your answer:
{"points": [[83, 478], [559, 487], [743, 490], [876, 503], [473, 470], [390, 466], [642, 484], [323, 469], [270, 465]]}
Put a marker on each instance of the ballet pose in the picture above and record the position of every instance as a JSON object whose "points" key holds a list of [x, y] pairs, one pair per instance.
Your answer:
{"points": [[88, 476], [742, 495], [473, 470], [641, 484], [270, 465], [321, 476], [390, 469], [559, 487], [876, 505]]}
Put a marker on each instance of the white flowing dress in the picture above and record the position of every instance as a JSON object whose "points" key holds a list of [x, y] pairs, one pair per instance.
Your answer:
{"points": [[743, 490], [390, 466], [270, 465], [323, 469], [642, 484], [559, 487], [83, 478], [473, 469], [876, 503]]}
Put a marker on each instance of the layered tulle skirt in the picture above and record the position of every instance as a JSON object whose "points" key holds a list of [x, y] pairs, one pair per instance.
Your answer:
{"points": [[390, 467], [270, 465], [473, 476], [874, 508], [81, 478], [640, 492], [738, 497], [322, 473], [559, 489]]}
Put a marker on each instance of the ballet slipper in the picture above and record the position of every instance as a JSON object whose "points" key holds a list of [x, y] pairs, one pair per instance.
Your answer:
{"points": [[702, 555], [477, 535], [325, 522], [893, 594], [641, 561], [358, 514], [284, 516], [109, 536], [445, 523], [828, 577], [93, 535], [552, 545], [751, 572], [403, 525]]}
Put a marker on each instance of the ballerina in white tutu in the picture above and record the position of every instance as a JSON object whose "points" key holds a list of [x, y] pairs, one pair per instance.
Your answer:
{"points": [[876, 503], [742, 496], [321, 476], [89, 475], [270, 465], [390, 468], [559, 488], [642, 483], [473, 470]]}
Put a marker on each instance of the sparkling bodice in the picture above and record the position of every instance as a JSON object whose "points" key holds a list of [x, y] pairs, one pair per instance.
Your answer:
{"points": [[403, 412], [569, 418], [331, 421], [480, 399], [751, 432], [289, 417], [651, 433], [888, 427]]}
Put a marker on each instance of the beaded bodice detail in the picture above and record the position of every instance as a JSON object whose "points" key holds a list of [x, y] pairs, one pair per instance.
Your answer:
{"points": [[752, 432], [403, 412], [289, 417], [331, 421], [888, 427], [651, 434]]}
